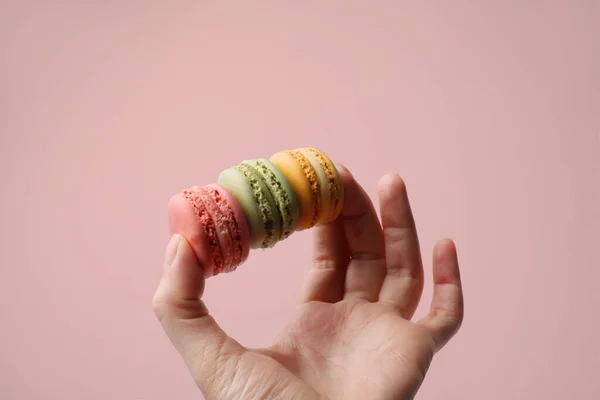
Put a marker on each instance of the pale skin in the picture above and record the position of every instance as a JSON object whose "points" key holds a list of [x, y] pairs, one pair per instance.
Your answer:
{"points": [[352, 335]]}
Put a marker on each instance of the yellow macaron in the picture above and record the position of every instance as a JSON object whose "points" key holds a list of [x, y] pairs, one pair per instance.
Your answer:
{"points": [[332, 188], [316, 183]]}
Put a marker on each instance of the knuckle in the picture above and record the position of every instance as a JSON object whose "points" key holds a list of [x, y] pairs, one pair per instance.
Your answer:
{"points": [[450, 319], [324, 263], [395, 234], [159, 307]]}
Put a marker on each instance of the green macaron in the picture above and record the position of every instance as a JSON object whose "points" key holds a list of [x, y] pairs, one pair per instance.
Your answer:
{"points": [[282, 193], [266, 199]]}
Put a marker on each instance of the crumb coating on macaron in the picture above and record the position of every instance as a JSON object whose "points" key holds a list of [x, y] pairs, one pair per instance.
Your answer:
{"points": [[227, 217], [195, 197], [263, 204], [310, 174], [284, 203], [333, 183]]}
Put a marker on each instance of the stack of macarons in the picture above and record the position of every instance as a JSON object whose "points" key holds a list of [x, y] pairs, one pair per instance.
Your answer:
{"points": [[256, 204]]}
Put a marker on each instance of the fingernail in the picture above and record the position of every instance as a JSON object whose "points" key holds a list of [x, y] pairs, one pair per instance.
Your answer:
{"points": [[341, 167], [171, 252]]}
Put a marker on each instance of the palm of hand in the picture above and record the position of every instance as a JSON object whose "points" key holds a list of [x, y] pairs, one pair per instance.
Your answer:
{"points": [[355, 350], [352, 336]]}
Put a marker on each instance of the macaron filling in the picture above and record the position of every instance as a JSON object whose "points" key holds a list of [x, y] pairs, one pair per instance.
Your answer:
{"points": [[221, 228], [198, 200], [227, 216], [252, 176], [332, 182], [313, 180], [325, 191], [280, 195]]}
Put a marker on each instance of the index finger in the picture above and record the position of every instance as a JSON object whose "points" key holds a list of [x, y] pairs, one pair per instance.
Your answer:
{"points": [[348, 253]]}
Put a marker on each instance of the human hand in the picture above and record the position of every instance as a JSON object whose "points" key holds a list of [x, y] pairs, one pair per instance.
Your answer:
{"points": [[352, 335]]}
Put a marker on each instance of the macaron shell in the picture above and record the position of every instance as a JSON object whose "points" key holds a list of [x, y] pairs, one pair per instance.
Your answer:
{"points": [[325, 190], [221, 227], [235, 182], [183, 220], [258, 207], [266, 203], [282, 193], [335, 182], [302, 180], [236, 220]]}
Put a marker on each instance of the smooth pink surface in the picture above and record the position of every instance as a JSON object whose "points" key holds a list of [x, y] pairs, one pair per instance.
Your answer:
{"points": [[184, 219], [490, 112]]}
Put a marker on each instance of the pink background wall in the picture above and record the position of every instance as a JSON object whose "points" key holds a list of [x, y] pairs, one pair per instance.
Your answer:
{"points": [[490, 112]]}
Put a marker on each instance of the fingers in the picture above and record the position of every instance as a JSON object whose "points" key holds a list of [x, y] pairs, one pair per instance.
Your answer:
{"points": [[403, 283], [202, 344], [325, 281], [349, 253], [364, 240], [446, 314]]}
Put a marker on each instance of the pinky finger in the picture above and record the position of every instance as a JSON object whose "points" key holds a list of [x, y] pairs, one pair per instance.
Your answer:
{"points": [[447, 309]]}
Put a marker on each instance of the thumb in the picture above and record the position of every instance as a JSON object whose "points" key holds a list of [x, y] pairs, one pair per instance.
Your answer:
{"points": [[211, 355]]}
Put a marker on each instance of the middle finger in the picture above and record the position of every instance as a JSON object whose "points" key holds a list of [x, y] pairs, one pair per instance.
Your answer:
{"points": [[365, 242]]}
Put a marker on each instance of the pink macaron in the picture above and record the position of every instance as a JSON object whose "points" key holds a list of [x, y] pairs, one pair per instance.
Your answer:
{"points": [[212, 222]]}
